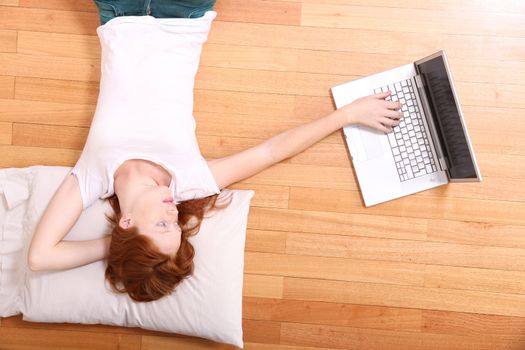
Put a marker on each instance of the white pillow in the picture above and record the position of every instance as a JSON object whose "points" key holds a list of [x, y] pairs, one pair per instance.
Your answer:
{"points": [[208, 304]]}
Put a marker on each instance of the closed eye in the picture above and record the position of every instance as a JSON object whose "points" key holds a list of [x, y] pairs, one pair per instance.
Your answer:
{"points": [[163, 224]]}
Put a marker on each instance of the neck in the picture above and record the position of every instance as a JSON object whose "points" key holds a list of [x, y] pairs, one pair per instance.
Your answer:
{"points": [[128, 185]]}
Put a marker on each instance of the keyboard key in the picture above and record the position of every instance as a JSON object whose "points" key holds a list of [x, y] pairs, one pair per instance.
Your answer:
{"points": [[409, 171], [419, 173]]}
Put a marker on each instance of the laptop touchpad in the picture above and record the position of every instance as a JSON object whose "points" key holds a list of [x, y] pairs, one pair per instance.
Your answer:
{"points": [[371, 143]]}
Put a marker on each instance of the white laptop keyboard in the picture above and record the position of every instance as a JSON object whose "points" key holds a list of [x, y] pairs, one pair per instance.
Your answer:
{"points": [[409, 141]]}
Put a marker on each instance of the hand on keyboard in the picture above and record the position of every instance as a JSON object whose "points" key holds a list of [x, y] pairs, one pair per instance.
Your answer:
{"points": [[374, 111]]}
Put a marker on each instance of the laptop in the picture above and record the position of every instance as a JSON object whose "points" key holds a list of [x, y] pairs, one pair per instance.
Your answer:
{"points": [[429, 148]]}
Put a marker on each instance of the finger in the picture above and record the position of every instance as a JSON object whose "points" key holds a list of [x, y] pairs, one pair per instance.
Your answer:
{"points": [[393, 114], [390, 122], [382, 95], [383, 128], [393, 105]]}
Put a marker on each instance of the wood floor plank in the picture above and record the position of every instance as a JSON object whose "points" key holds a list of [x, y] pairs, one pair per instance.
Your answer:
{"points": [[8, 40], [412, 20], [65, 68], [496, 281], [470, 324], [46, 112], [368, 41], [461, 209], [262, 286], [334, 268], [266, 196], [7, 87], [160, 343], [20, 156], [67, 5], [258, 11], [354, 338], [9, 2], [379, 226], [446, 5], [257, 331], [6, 132], [419, 252], [501, 165], [17, 338], [46, 20], [265, 241], [366, 225], [59, 44], [488, 234], [49, 136], [359, 316], [404, 296]]}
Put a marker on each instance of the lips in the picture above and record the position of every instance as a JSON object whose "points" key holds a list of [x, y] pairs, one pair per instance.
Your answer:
{"points": [[168, 200]]}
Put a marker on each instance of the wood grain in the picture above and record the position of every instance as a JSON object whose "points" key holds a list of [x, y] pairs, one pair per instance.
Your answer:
{"points": [[442, 269]]}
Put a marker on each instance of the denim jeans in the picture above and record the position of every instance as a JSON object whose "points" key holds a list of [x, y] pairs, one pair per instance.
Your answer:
{"points": [[109, 9]]}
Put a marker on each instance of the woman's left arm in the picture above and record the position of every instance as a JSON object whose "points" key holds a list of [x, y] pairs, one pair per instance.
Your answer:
{"points": [[373, 111]]}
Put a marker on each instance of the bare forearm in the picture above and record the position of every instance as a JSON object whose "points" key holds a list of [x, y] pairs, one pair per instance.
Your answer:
{"points": [[70, 254], [293, 141]]}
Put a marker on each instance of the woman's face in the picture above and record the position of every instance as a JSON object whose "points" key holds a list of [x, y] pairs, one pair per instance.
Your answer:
{"points": [[155, 215]]}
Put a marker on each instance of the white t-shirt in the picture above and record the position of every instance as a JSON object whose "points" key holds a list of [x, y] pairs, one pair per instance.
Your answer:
{"points": [[145, 105]]}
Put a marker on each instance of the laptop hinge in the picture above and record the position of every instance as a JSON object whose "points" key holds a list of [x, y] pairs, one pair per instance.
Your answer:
{"points": [[420, 83]]}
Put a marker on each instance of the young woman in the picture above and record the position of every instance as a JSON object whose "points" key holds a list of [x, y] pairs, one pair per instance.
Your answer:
{"points": [[142, 153]]}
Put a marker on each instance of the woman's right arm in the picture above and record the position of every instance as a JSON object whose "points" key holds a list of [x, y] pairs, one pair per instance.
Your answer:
{"points": [[47, 250]]}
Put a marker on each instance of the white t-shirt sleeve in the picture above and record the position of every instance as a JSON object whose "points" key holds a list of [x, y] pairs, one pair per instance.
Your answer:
{"points": [[194, 180], [91, 185]]}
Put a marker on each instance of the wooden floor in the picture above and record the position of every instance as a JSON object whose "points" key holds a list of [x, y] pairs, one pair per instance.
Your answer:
{"points": [[444, 269]]}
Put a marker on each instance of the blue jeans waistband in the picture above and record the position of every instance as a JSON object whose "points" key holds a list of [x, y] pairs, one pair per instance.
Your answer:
{"points": [[108, 9]]}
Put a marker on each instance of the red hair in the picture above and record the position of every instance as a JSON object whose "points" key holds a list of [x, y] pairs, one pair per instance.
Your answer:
{"points": [[137, 267]]}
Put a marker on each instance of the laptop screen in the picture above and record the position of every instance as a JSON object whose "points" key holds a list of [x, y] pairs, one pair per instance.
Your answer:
{"points": [[448, 120]]}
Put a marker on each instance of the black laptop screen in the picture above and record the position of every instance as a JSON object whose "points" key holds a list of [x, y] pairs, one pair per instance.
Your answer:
{"points": [[452, 136]]}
